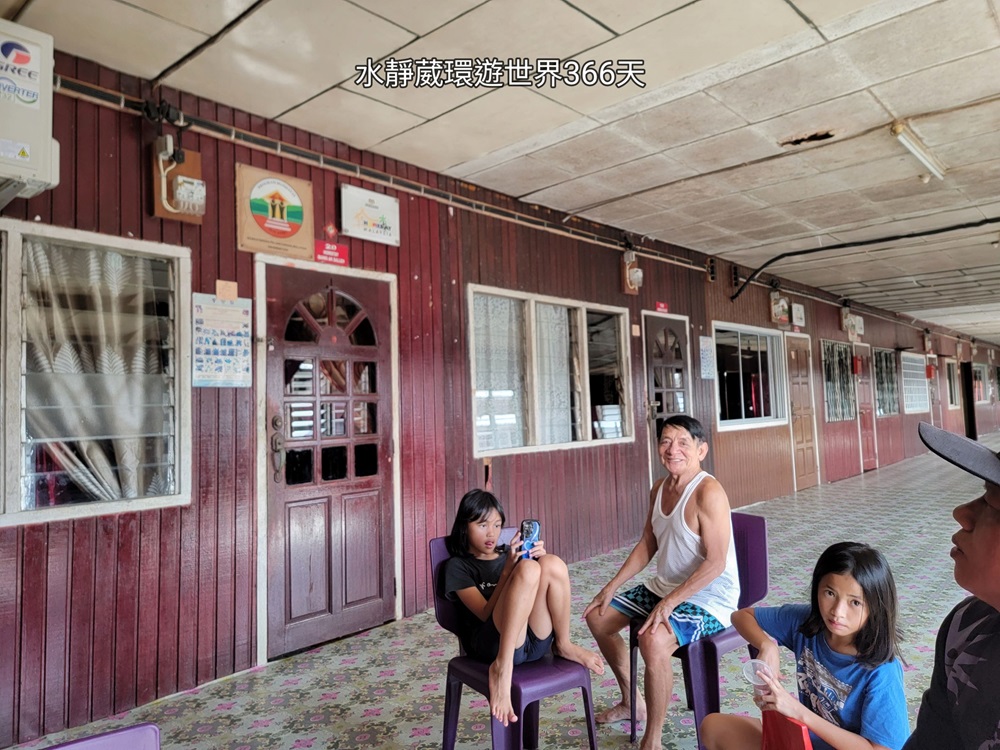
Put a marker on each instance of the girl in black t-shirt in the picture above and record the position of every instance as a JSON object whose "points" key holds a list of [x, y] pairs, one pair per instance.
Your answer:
{"points": [[514, 609]]}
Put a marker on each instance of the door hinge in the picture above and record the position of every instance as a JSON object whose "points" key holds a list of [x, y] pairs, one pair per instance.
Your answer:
{"points": [[395, 587]]}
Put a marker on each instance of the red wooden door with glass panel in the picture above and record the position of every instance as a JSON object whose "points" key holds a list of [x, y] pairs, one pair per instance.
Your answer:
{"points": [[330, 526], [866, 407]]}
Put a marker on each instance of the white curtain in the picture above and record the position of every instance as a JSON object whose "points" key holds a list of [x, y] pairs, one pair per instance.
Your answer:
{"points": [[499, 398], [555, 386], [97, 373]]}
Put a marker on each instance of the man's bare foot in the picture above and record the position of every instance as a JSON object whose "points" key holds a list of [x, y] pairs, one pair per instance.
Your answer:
{"points": [[620, 712], [500, 705], [583, 656], [649, 742]]}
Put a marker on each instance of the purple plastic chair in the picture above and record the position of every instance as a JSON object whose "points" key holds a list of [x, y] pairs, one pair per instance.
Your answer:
{"points": [[136, 737], [531, 682], [700, 658]]}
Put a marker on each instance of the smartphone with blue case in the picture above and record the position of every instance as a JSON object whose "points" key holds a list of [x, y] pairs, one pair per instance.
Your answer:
{"points": [[530, 529]]}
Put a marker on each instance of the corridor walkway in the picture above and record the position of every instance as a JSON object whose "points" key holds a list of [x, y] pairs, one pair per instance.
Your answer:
{"points": [[384, 688]]}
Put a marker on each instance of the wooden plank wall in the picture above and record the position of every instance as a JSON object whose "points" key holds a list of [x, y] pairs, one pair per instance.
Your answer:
{"points": [[103, 614], [742, 454], [174, 587]]}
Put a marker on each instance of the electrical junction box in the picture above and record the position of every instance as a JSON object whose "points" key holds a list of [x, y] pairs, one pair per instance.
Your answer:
{"points": [[29, 156], [189, 195]]}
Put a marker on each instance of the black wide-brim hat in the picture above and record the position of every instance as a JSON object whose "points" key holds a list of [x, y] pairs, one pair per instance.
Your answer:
{"points": [[966, 454]]}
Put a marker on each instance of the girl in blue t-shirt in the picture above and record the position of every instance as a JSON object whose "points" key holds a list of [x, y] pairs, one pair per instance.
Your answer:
{"points": [[847, 668], [514, 610]]}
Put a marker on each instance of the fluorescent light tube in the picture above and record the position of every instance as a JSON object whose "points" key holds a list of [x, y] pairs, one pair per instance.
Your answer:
{"points": [[918, 149]]}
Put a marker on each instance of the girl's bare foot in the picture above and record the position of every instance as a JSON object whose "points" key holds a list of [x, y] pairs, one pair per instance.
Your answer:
{"points": [[620, 712], [583, 656], [500, 705]]}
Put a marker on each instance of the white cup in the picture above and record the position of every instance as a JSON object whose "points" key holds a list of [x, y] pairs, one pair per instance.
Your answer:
{"points": [[750, 670]]}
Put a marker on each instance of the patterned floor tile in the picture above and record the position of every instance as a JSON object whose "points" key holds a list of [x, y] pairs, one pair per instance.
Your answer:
{"points": [[384, 689]]}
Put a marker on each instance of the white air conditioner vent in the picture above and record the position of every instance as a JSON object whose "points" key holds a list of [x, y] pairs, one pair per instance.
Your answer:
{"points": [[29, 157]]}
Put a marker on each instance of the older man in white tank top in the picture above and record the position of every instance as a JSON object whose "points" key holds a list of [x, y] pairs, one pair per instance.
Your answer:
{"points": [[695, 589]]}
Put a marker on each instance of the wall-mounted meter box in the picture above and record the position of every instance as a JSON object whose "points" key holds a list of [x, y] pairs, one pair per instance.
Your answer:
{"points": [[29, 157]]}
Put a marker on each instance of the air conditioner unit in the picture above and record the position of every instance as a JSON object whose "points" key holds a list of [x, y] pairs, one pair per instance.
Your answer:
{"points": [[29, 156]]}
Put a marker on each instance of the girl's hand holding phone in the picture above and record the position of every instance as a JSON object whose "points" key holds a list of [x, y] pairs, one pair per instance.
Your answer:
{"points": [[537, 549]]}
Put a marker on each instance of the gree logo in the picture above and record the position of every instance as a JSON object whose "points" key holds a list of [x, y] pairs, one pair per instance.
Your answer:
{"points": [[15, 52]]}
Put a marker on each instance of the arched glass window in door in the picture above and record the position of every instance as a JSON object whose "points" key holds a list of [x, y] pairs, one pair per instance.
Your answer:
{"points": [[331, 396]]}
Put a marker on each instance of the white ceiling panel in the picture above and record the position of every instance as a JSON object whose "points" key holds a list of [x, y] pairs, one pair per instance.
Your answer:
{"points": [[719, 207], [472, 128], [787, 86], [356, 120], [799, 189], [844, 117], [691, 158], [623, 179], [206, 17], [725, 150], [420, 18], [929, 36], [501, 29], [593, 151], [121, 42], [284, 54], [622, 17], [612, 213], [838, 19], [685, 120], [519, 176], [534, 142], [702, 35], [942, 87]]}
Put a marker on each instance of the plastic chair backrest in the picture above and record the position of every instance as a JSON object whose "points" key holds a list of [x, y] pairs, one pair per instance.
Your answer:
{"points": [[783, 733], [750, 540], [136, 737], [446, 611]]}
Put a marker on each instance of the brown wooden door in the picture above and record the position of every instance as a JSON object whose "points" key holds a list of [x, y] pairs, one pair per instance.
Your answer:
{"points": [[803, 413], [866, 408], [667, 373], [330, 526]]}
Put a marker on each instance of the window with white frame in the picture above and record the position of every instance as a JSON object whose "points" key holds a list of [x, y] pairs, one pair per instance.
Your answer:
{"points": [[838, 382], [750, 375], [97, 403], [951, 375], [546, 371], [916, 397], [886, 383], [981, 383]]}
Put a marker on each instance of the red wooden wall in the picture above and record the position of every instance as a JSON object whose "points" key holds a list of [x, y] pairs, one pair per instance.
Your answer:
{"points": [[100, 615]]}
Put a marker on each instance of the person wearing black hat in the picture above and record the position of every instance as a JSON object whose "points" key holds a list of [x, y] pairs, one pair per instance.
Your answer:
{"points": [[961, 708]]}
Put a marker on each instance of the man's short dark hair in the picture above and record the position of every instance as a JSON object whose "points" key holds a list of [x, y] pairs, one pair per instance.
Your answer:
{"points": [[692, 425]]}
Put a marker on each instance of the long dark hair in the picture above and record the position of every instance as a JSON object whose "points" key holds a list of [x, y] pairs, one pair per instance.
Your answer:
{"points": [[475, 506], [878, 639]]}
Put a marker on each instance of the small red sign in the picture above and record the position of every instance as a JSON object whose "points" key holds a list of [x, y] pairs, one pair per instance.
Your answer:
{"points": [[331, 252], [661, 307]]}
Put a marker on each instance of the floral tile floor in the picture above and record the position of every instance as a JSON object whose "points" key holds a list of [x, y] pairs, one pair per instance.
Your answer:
{"points": [[385, 688]]}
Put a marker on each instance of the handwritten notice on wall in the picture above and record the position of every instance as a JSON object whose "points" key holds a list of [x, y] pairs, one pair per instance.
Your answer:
{"points": [[706, 347]]}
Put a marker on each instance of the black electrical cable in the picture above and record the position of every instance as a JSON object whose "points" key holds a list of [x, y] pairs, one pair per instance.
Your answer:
{"points": [[863, 243]]}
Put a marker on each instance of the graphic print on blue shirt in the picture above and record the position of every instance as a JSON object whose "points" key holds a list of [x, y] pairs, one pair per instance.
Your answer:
{"points": [[826, 693]]}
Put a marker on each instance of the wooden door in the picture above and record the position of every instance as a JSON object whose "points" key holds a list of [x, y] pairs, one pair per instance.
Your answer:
{"points": [[866, 407], [799, 355], [330, 526], [667, 373]]}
